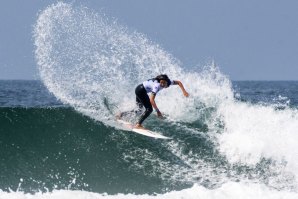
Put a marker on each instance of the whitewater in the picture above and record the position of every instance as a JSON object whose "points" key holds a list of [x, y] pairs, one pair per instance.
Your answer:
{"points": [[222, 147]]}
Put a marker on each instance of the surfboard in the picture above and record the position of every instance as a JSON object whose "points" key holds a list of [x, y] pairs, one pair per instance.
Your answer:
{"points": [[145, 132]]}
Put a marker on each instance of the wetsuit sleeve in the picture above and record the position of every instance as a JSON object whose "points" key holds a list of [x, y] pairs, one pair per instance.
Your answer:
{"points": [[174, 82]]}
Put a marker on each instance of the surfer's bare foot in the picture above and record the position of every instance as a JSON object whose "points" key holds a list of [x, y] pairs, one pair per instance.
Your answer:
{"points": [[139, 126]]}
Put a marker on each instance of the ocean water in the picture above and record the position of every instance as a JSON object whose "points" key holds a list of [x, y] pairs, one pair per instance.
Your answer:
{"points": [[59, 139], [51, 150]]}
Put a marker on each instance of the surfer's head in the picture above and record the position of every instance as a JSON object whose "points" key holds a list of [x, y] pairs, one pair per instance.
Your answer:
{"points": [[164, 80], [164, 84]]}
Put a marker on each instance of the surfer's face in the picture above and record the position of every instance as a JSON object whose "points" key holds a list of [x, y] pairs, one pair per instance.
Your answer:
{"points": [[163, 83]]}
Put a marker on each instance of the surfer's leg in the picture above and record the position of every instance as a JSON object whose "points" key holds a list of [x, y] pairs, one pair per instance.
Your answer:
{"points": [[140, 106], [147, 112], [143, 100]]}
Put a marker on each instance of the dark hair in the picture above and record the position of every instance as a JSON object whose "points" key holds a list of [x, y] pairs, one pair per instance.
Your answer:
{"points": [[163, 77]]}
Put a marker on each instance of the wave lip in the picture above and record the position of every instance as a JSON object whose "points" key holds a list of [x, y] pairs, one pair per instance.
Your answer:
{"points": [[86, 60]]}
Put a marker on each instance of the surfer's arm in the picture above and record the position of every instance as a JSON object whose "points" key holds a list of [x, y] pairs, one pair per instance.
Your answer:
{"points": [[152, 101], [185, 93]]}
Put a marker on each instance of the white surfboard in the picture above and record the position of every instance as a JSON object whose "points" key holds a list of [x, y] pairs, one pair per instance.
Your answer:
{"points": [[145, 132]]}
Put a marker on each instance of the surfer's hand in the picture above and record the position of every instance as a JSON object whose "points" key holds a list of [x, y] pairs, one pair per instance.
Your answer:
{"points": [[159, 115], [186, 94]]}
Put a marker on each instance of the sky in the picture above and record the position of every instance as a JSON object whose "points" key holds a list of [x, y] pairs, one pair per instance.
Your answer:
{"points": [[248, 40]]}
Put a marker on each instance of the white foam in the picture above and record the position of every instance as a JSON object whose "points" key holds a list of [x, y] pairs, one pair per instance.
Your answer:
{"points": [[253, 132], [230, 190], [94, 64]]}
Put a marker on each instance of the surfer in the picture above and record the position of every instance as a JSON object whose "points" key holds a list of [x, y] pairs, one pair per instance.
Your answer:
{"points": [[152, 86]]}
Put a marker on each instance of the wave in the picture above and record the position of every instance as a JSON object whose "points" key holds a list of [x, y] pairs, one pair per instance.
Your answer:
{"points": [[230, 190], [219, 144], [58, 148]]}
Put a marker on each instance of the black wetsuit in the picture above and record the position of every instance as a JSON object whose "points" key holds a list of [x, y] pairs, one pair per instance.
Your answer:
{"points": [[142, 99]]}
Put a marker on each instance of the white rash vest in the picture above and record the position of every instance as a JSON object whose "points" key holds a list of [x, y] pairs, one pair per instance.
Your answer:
{"points": [[152, 86]]}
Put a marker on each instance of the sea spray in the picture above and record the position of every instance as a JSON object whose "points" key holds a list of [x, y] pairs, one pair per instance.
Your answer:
{"points": [[93, 64], [87, 60]]}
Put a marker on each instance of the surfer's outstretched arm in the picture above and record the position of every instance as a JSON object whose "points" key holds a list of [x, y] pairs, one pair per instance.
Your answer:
{"points": [[152, 101], [185, 93]]}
